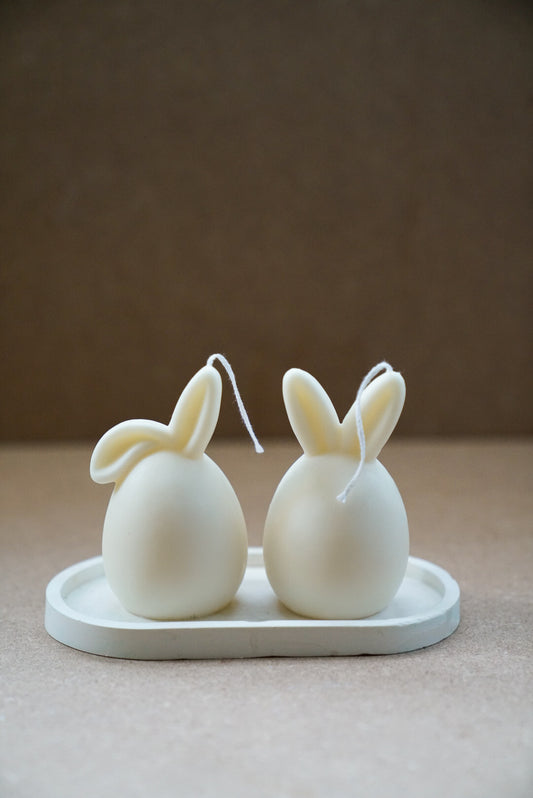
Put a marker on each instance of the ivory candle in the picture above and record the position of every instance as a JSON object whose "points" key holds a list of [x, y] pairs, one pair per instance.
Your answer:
{"points": [[332, 553], [174, 542]]}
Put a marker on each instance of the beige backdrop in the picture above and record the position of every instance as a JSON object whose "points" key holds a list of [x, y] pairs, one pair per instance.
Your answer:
{"points": [[320, 184]]}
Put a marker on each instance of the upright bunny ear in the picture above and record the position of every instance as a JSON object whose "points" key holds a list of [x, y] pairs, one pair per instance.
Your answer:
{"points": [[381, 405], [196, 414], [311, 413]]}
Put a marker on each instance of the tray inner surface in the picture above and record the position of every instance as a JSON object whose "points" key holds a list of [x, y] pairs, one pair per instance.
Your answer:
{"points": [[88, 594]]}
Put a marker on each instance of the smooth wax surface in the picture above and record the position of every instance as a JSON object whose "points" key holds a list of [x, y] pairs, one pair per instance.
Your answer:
{"points": [[174, 542], [326, 558]]}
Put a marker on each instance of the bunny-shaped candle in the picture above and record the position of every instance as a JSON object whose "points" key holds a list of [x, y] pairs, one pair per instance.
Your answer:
{"points": [[174, 543], [331, 554]]}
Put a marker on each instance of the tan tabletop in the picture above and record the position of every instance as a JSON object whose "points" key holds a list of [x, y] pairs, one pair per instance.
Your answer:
{"points": [[454, 719]]}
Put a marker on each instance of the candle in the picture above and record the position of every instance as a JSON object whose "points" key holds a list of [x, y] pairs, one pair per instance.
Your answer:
{"points": [[336, 539], [174, 541]]}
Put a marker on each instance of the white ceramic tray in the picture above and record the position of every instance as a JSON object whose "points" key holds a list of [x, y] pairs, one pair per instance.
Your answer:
{"points": [[82, 612]]}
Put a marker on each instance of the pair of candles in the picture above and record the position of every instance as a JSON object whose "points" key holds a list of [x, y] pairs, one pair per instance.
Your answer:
{"points": [[336, 540]]}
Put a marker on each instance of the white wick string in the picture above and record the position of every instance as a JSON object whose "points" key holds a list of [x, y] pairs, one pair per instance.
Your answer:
{"points": [[242, 410], [383, 366]]}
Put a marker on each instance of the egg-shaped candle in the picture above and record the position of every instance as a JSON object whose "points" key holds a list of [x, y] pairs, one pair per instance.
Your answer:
{"points": [[174, 541], [329, 553]]}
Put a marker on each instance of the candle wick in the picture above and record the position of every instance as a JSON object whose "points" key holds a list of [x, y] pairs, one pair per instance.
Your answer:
{"points": [[242, 410], [383, 366]]}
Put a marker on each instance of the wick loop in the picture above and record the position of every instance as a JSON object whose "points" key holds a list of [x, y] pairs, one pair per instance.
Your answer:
{"points": [[244, 415], [383, 366]]}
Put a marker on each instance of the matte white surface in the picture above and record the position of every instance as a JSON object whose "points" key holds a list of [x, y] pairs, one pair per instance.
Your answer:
{"points": [[336, 536], [82, 612], [174, 542]]}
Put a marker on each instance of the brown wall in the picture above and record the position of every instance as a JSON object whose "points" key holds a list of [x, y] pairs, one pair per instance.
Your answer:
{"points": [[320, 184]]}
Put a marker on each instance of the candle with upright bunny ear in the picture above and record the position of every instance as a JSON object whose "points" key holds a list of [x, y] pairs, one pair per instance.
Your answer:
{"points": [[336, 539], [174, 542]]}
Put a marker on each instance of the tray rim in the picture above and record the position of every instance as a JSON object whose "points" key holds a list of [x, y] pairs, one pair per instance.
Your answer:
{"points": [[56, 592]]}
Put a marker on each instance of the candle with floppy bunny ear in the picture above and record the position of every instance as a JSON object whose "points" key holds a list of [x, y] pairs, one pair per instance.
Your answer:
{"points": [[336, 539], [174, 542]]}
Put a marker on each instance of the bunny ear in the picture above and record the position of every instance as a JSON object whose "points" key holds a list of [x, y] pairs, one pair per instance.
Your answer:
{"points": [[311, 413], [124, 445], [196, 414], [190, 430], [381, 405]]}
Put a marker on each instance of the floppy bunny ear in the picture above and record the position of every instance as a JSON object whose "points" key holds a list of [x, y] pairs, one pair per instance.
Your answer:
{"points": [[196, 414], [311, 413], [381, 405], [189, 431], [121, 447]]}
